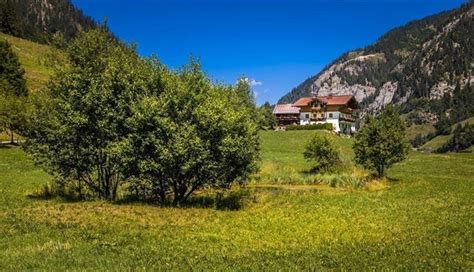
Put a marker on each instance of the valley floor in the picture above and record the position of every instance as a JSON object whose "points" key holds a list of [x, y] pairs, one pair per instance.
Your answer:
{"points": [[422, 219]]}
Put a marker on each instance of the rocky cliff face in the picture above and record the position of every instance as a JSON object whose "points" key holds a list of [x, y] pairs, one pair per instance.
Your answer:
{"points": [[423, 59]]}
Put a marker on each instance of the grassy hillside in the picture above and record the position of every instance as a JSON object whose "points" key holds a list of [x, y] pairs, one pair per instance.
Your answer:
{"points": [[416, 130], [38, 60], [440, 140], [423, 220]]}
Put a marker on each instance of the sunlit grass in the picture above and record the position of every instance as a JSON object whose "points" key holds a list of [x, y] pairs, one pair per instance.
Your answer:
{"points": [[419, 218]]}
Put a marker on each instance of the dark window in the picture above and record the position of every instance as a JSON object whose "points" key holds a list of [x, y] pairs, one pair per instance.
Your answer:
{"points": [[330, 115], [307, 116]]}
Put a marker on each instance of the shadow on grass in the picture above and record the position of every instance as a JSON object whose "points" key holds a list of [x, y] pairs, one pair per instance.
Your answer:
{"points": [[231, 200]]}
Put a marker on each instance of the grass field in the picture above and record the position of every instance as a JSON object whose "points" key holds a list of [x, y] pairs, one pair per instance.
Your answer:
{"points": [[423, 129], [422, 220]]}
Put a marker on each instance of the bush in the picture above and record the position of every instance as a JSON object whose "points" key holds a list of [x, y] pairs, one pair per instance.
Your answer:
{"points": [[326, 126], [190, 134], [322, 151]]}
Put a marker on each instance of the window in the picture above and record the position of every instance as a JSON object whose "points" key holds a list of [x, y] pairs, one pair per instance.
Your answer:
{"points": [[330, 115], [306, 116]]}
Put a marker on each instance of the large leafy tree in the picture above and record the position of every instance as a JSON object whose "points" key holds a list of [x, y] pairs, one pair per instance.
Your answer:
{"points": [[78, 134], [191, 134], [381, 141]]}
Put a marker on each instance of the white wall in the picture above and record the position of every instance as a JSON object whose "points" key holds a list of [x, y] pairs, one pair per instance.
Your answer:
{"points": [[303, 119], [334, 120]]}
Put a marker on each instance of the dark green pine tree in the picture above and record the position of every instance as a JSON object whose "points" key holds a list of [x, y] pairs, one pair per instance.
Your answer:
{"points": [[12, 81], [9, 22]]}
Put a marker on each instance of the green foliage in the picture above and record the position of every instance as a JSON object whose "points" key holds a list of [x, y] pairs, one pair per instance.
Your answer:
{"points": [[12, 81], [325, 126], [462, 138], [78, 134], [13, 91], [321, 150], [114, 117], [266, 118], [14, 114], [191, 134], [381, 141]]}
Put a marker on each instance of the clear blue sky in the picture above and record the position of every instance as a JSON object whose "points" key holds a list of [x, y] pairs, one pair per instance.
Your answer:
{"points": [[277, 43]]}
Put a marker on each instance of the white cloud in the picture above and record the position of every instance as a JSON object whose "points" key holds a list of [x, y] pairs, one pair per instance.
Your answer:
{"points": [[252, 82]]}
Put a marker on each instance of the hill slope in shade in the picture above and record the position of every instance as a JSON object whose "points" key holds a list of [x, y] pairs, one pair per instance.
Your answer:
{"points": [[423, 59], [38, 60]]}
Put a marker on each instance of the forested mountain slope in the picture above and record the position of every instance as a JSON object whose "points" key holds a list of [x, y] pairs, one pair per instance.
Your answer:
{"points": [[39, 20], [424, 59]]}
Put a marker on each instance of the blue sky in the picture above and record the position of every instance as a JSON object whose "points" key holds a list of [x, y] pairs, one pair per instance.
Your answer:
{"points": [[276, 43]]}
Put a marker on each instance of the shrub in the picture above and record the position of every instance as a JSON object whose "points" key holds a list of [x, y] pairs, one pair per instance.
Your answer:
{"points": [[322, 151], [190, 134], [326, 126]]}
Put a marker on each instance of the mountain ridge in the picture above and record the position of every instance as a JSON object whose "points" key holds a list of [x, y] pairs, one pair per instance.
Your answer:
{"points": [[425, 58]]}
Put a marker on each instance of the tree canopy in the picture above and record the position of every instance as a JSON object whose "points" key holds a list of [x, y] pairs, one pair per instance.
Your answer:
{"points": [[380, 142], [116, 118]]}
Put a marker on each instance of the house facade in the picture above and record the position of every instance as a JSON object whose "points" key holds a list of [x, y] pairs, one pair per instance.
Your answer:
{"points": [[337, 110]]}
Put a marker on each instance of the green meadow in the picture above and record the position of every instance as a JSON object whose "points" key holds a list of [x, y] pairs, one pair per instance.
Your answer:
{"points": [[422, 217]]}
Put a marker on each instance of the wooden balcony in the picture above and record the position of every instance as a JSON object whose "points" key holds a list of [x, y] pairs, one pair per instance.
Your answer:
{"points": [[347, 118]]}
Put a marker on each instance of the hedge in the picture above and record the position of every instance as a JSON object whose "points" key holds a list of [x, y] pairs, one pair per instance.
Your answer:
{"points": [[327, 126]]}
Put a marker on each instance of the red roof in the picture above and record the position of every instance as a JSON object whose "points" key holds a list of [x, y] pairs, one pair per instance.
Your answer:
{"points": [[285, 109], [328, 100]]}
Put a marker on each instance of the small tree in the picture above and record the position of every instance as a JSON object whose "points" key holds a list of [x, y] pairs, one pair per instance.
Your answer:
{"points": [[381, 142], [266, 118], [13, 91], [12, 81], [321, 150]]}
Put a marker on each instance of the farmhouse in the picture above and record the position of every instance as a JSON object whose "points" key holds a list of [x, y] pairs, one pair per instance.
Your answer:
{"points": [[337, 110]]}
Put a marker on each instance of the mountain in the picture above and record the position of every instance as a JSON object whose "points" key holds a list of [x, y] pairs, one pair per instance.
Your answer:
{"points": [[40, 20], [423, 60]]}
